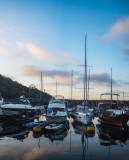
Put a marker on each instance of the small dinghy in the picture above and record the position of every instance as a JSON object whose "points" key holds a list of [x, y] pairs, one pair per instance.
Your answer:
{"points": [[53, 127], [42, 123], [31, 124]]}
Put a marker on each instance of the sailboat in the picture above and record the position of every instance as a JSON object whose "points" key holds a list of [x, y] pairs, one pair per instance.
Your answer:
{"points": [[110, 112], [82, 114]]}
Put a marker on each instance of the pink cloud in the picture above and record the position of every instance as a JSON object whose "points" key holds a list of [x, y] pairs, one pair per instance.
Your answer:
{"points": [[4, 51], [40, 53], [30, 70], [121, 27], [2, 31], [71, 59], [18, 52]]}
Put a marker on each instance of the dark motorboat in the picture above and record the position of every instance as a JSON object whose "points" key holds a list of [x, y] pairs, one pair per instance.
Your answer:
{"points": [[112, 113]]}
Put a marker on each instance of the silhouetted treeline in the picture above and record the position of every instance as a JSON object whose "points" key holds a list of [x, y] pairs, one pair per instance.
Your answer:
{"points": [[10, 89]]}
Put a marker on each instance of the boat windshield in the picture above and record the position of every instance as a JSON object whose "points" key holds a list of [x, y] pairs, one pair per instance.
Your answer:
{"points": [[80, 109], [103, 106], [56, 101], [57, 109], [20, 101]]}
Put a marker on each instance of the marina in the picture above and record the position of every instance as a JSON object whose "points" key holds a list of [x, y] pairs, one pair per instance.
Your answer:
{"points": [[64, 81]]}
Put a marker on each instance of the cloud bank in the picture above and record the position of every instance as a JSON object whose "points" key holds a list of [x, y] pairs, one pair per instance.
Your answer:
{"points": [[18, 52], [103, 79], [60, 75]]}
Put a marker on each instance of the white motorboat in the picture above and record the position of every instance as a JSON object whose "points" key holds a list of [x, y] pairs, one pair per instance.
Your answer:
{"points": [[1, 100], [19, 107], [53, 127], [57, 111], [39, 109]]}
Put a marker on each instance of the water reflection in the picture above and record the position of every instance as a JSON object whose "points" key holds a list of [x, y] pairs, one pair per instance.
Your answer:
{"points": [[15, 131], [88, 131], [112, 135], [72, 141], [85, 132], [58, 135]]}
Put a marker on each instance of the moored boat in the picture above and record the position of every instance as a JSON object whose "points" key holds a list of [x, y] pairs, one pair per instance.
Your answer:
{"points": [[20, 107], [110, 112], [57, 110], [1, 100]]}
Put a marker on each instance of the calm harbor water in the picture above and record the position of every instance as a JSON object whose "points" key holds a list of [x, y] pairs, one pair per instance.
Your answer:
{"points": [[71, 142]]}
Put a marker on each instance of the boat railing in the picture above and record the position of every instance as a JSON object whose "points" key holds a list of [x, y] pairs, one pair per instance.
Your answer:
{"points": [[58, 97]]}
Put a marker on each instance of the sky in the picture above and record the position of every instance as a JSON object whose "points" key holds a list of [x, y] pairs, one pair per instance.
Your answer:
{"points": [[48, 36]]}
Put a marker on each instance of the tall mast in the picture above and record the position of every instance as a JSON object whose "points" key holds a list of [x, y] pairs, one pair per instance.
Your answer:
{"points": [[85, 78], [88, 84], [111, 86], [41, 88], [86, 67], [84, 92], [71, 85], [56, 87]]}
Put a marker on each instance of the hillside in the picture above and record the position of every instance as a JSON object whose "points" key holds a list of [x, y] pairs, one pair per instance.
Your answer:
{"points": [[10, 89]]}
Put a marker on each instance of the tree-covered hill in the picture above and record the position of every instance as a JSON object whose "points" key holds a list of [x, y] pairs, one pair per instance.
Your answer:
{"points": [[10, 90]]}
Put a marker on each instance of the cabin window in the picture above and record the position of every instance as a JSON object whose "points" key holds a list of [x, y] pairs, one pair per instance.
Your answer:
{"points": [[57, 109]]}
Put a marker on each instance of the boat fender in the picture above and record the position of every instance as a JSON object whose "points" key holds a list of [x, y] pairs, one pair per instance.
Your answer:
{"points": [[101, 115], [23, 116], [114, 114]]}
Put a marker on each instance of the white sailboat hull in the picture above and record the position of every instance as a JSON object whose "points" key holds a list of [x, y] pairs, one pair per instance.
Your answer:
{"points": [[83, 118]]}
